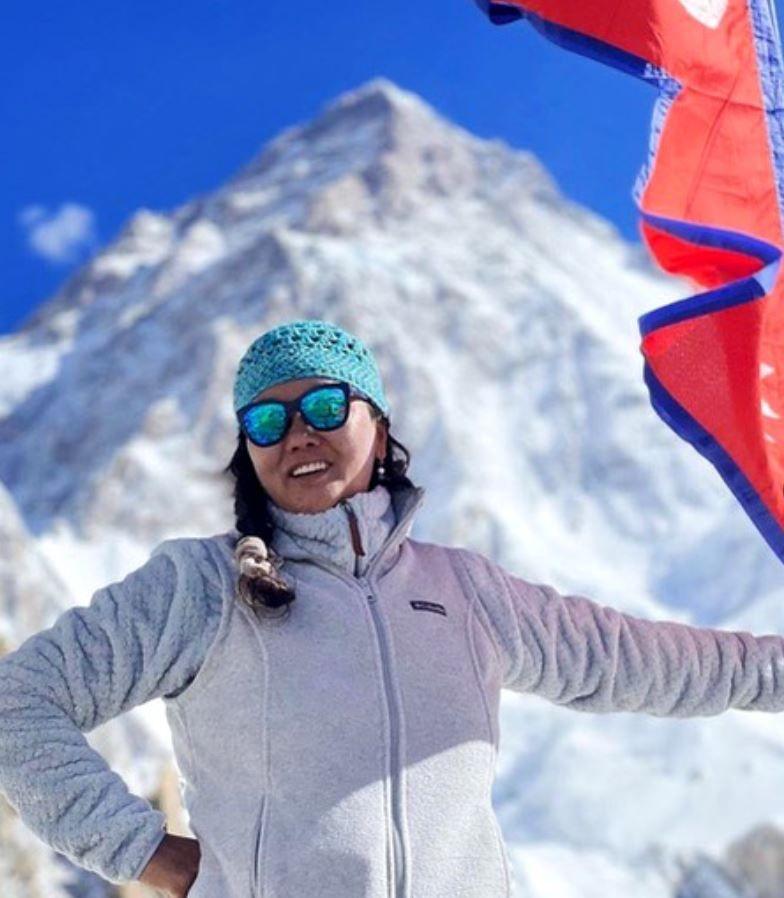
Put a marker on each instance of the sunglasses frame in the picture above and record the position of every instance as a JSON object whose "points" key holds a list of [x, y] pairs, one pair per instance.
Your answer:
{"points": [[291, 406]]}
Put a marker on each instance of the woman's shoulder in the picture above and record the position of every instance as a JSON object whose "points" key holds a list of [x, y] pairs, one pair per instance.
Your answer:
{"points": [[427, 552], [190, 543], [207, 553], [453, 552], [484, 574]]}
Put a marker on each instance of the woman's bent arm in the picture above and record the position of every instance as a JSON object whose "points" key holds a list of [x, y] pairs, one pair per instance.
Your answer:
{"points": [[140, 638]]}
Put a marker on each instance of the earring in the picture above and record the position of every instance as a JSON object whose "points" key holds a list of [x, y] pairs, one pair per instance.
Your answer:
{"points": [[381, 469]]}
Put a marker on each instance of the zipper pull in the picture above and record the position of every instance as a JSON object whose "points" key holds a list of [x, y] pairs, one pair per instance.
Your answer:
{"points": [[356, 539], [369, 591]]}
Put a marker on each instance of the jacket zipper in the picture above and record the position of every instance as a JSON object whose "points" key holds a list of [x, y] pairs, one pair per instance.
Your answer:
{"points": [[256, 869], [356, 541], [394, 761]]}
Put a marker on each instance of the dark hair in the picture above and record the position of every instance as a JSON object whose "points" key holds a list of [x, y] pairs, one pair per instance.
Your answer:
{"points": [[259, 585]]}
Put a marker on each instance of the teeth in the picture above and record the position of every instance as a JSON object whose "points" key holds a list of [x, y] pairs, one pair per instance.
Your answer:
{"points": [[307, 469]]}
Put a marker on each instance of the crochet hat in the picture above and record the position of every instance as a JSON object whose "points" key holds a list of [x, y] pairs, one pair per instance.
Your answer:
{"points": [[307, 348]]}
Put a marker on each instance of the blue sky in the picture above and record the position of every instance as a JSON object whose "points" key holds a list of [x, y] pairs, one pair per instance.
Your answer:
{"points": [[113, 107]]}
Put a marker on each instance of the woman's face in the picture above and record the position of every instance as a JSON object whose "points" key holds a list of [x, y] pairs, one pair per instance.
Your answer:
{"points": [[350, 453]]}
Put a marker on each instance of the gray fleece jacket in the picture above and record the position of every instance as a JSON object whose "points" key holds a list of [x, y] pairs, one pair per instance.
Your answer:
{"points": [[348, 752]]}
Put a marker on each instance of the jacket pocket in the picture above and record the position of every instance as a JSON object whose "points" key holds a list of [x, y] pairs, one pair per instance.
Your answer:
{"points": [[255, 864]]}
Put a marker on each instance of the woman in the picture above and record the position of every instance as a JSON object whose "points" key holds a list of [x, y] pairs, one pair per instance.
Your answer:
{"points": [[331, 684]]}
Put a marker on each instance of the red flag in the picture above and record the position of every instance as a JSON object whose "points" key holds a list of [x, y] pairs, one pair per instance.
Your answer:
{"points": [[710, 202]]}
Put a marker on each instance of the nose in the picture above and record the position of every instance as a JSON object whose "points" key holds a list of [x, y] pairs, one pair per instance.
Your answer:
{"points": [[300, 430]]}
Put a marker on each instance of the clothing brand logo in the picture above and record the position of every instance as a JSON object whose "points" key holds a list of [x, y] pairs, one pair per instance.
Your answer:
{"points": [[709, 12], [422, 605]]}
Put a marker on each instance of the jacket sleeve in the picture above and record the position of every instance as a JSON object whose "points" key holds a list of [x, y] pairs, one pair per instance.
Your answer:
{"points": [[138, 639], [590, 657]]}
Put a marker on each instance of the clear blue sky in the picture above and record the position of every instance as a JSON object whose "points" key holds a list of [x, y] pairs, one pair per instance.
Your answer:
{"points": [[110, 107]]}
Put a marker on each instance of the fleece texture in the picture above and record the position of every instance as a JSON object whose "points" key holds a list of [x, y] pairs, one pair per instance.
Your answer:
{"points": [[326, 535], [349, 750]]}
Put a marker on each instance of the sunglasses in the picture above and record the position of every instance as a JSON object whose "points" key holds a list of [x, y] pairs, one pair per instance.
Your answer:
{"points": [[323, 407]]}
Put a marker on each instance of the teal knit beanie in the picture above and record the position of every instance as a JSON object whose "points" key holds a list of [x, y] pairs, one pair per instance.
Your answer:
{"points": [[307, 348]]}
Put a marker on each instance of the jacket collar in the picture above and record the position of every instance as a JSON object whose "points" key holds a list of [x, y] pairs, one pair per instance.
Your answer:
{"points": [[383, 519]]}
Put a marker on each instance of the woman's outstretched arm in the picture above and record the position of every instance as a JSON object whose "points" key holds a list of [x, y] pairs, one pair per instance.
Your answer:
{"points": [[138, 639], [591, 657]]}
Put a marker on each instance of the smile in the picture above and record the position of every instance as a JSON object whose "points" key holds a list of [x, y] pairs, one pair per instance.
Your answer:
{"points": [[312, 470]]}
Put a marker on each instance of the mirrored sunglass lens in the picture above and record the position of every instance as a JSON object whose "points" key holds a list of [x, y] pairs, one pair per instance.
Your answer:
{"points": [[325, 408], [265, 423]]}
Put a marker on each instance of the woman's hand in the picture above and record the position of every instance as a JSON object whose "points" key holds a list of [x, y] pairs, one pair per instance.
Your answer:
{"points": [[174, 866]]}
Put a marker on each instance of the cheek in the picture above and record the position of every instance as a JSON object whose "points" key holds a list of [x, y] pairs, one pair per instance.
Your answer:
{"points": [[359, 440], [263, 463]]}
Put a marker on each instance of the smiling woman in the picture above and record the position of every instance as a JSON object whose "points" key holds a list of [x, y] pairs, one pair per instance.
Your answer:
{"points": [[314, 430]]}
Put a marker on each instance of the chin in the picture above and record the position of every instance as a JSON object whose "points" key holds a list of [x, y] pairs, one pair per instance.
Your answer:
{"points": [[319, 501], [328, 495]]}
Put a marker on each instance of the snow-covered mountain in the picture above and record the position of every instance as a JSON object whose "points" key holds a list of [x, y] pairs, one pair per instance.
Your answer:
{"points": [[504, 319], [31, 592]]}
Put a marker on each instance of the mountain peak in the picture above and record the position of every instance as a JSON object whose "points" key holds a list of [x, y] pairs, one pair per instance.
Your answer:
{"points": [[356, 129], [379, 96], [375, 152]]}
